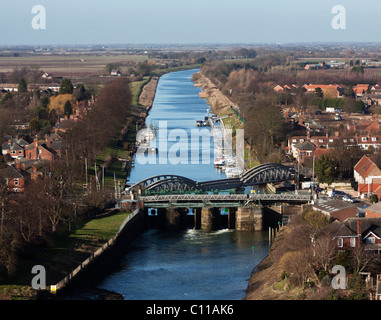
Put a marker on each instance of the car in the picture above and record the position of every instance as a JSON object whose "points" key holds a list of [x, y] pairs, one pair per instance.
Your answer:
{"points": [[348, 199]]}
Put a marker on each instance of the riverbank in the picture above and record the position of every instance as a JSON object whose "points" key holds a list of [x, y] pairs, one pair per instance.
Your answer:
{"points": [[222, 106]]}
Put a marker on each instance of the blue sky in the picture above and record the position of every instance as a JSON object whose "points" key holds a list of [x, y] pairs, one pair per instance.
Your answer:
{"points": [[187, 21]]}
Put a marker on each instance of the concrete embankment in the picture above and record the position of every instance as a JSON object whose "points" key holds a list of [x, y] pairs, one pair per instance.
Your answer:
{"points": [[105, 259]]}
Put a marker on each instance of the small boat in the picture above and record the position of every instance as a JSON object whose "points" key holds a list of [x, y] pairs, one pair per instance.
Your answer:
{"points": [[219, 162], [233, 172]]}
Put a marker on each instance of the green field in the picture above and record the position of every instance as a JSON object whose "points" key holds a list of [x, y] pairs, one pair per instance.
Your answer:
{"points": [[70, 63]]}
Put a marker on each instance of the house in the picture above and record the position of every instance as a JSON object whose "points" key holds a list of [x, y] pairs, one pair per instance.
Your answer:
{"points": [[286, 88], [326, 88], [366, 170], [40, 150], [373, 211], [311, 66], [115, 73], [336, 209], [365, 127], [15, 178], [369, 141], [14, 147], [47, 76], [361, 89], [355, 232], [322, 142], [302, 150], [368, 176]]}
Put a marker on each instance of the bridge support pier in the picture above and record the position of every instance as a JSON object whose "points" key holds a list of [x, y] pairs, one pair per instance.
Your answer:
{"points": [[249, 219], [175, 219], [209, 219]]}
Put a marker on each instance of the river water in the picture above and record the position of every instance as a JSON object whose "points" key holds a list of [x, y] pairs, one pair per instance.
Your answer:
{"points": [[188, 264]]}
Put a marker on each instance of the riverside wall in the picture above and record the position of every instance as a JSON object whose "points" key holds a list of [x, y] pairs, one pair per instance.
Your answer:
{"points": [[102, 261]]}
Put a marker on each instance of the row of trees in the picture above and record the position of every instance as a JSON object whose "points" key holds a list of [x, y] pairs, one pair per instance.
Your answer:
{"points": [[48, 205]]}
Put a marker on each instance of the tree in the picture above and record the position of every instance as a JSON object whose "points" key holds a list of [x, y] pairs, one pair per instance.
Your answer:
{"points": [[319, 92], [325, 169], [22, 85], [324, 250], [81, 93], [34, 125], [68, 109], [66, 86]]}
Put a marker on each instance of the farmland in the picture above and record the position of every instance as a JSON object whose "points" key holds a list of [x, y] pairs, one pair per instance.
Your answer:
{"points": [[65, 65]]}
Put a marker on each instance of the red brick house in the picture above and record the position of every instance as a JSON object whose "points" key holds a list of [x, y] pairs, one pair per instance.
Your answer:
{"points": [[373, 211], [336, 209], [15, 178], [14, 147], [40, 150], [354, 232]]}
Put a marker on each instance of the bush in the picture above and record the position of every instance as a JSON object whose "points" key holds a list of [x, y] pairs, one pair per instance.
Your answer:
{"points": [[374, 198]]}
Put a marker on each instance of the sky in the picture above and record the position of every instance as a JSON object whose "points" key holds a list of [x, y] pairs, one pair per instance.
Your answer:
{"points": [[187, 21]]}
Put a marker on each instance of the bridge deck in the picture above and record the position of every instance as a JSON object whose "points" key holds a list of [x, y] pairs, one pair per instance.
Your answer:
{"points": [[242, 198]]}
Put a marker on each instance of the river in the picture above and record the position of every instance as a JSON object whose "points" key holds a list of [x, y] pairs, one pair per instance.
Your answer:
{"points": [[188, 264]]}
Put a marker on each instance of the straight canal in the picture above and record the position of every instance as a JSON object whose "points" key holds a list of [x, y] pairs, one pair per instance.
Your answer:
{"points": [[188, 264]]}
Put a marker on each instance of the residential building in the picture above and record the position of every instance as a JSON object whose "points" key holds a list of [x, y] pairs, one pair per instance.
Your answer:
{"points": [[40, 150], [14, 147], [369, 141], [336, 209], [361, 89], [355, 232], [373, 211], [368, 176], [15, 178]]}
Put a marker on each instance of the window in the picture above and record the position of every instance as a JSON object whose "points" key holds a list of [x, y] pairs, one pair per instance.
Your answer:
{"points": [[312, 140], [321, 140], [353, 242], [330, 140], [352, 140], [293, 140], [371, 240], [16, 181], [363, 139], [301, 140], [374, 139], [340, 242], [345, 140]]}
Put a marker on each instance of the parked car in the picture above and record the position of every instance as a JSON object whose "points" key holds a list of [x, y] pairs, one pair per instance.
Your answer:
{"points": [[348, 199]]}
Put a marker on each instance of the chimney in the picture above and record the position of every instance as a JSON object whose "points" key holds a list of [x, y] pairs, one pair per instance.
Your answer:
{"points": [[308, 134], [23, 166], [47, 141], [35, 142]]}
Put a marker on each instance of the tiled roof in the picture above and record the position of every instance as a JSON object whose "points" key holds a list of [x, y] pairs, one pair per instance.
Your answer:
{"points": [[365, 166], [11, 173]]}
